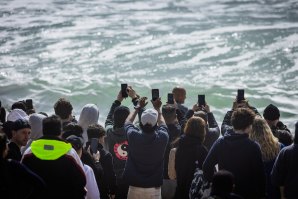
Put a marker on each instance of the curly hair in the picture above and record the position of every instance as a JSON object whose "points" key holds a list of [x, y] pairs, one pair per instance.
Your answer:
{"points": [[63, 108], [262, 134], [242, 118]]}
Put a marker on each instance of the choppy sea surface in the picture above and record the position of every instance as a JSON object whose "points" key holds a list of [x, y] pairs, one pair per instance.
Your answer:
{"points": [[84, 49]]}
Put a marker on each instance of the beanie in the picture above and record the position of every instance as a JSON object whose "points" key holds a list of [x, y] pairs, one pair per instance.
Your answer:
{"points": [[271, 113], [20, 124], [120, 115]]}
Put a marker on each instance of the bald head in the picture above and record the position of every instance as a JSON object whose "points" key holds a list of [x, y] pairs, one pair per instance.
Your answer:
{"points": [[179, 94]]}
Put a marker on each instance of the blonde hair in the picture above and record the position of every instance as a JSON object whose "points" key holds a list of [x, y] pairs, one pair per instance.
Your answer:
{"points": [[262, 134]]}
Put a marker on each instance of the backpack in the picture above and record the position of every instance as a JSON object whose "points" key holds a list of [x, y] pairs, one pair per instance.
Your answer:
{"points": [[199, 188]]}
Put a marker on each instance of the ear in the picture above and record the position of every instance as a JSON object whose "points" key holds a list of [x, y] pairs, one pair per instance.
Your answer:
{"points": [[13, 133]]}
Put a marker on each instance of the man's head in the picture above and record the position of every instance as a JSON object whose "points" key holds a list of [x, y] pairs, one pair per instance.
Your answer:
{"points": [[76, 142], [63, 108], [179, 94], [149, 120], [20, 132], [120, 115], [72, 129], [202, 115], [242, 118], [52, 126], [271, 113], [195, 127], [95, 131], [222, 183], [19, 105], [169, 113]]}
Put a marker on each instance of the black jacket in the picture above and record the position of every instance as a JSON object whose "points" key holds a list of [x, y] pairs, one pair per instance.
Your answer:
{"points": [[18, 182], [107, 184], [188, 151], [241, 156]]}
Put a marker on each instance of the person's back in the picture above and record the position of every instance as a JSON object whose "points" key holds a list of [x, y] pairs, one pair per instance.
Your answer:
{"points": [[284, 172], [236, 153], [190, 149], [270, 147], [144, 166], [116, 139], [56, 162]]}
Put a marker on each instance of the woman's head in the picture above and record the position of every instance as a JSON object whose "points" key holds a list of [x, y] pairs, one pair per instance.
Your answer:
{"points": [[262, 134], [195, 127]]}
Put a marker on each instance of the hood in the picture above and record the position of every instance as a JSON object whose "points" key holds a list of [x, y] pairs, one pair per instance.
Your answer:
{"points": [[89, 115], [235, 139], [35, 121]]}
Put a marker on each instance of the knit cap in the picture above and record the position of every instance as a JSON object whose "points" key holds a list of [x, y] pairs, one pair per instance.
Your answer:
{"points": [[20, 124], [271, 113]]}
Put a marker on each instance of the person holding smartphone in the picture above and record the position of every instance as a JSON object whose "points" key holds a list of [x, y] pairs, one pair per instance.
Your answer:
{"points": [[116, 139], [212, 129], [147, 144], [240, 102], [107, 185]]}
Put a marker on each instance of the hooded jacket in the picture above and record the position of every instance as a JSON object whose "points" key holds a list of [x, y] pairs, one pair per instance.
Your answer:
{"points": [[241, 156], [58, 164]]}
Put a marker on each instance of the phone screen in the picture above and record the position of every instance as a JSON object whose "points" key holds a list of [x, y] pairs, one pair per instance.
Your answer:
{"points": [[170, 98], [240, 95], [29, 103], [93, 145], [124, 90], [155, 94], [201, 100]]}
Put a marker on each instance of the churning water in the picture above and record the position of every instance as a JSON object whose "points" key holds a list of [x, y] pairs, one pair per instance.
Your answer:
{"points": [[84, 49]]}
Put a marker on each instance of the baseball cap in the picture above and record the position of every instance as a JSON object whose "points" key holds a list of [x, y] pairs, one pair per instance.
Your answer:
{"points": [[149, 116]]}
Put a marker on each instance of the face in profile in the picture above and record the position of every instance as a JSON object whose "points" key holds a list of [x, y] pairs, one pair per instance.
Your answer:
{"points": [[21, 136]]}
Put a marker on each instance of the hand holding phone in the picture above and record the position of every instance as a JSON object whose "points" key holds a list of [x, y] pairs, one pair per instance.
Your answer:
{"points": [[93, 145], [155, 94], [124, 90], [201, 100]]}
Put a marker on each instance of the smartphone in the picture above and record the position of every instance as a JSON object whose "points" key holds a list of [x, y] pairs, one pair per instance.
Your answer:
{"points": [[201, 100], [170, 98], [29, 104], [124, 90], [240, 95], [155, 94], [93, 145]]}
